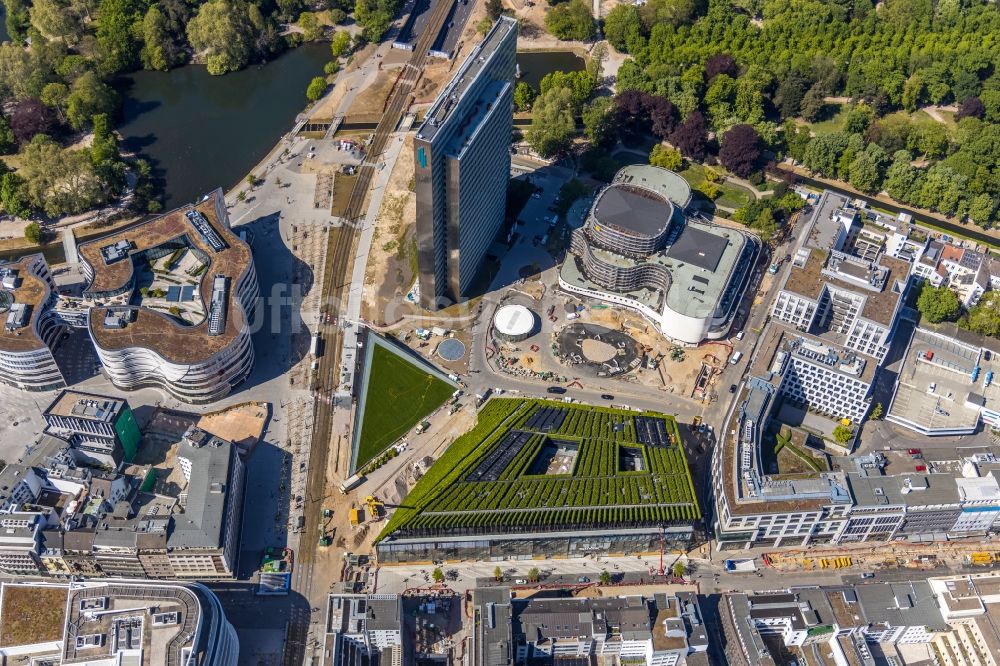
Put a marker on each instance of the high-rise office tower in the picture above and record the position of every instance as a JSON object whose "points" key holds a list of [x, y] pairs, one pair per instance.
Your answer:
{"points": [[463, 166]]}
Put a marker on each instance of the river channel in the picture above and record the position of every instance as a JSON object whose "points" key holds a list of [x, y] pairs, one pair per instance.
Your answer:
{"points": [[201, 131]]}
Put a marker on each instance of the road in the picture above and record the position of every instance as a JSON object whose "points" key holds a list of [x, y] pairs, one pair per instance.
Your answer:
{"points": [[336, 275]]}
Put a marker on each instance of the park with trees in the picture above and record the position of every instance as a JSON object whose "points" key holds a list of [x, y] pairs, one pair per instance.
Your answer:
{"points": [[901, 98]]}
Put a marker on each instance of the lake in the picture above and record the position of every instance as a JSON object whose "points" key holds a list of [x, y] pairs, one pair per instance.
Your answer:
{"points": [[534, 65], [201, 131]]}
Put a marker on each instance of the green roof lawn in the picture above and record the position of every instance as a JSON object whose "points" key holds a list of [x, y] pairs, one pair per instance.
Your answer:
{"points": [[399, 395], [597, 491]]}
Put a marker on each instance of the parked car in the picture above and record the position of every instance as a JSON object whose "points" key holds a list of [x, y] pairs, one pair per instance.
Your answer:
{"points": [[607, 396], [732, 388], [583, 579], [558, 390]]}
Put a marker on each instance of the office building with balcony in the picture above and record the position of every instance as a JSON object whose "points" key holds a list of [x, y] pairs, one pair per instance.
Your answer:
{"points": [[638, 249], [462, 162], [169, 301], [30, 331]]}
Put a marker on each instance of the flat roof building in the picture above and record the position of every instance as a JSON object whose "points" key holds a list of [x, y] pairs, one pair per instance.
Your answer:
{"points": [[30, 332], [101, 430], [124, 622], [639, 250], [147, 334], [462, 162], [948, 384], [364, 629]]}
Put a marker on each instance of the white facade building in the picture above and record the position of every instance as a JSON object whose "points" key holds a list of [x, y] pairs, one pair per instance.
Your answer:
{"points": [[197, 353], [30, 331]]}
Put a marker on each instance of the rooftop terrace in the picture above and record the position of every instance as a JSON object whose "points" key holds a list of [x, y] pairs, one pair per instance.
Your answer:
{"points": [[156, 330], [29, 291]]}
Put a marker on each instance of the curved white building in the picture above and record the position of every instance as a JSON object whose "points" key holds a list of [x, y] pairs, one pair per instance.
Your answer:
{"points": [[513, 323], [30, 331], [637, 249], [171, 300]]}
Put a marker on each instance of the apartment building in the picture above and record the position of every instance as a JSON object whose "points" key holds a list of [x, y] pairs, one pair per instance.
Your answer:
{"points": [[180, 522], [847, 624], [966, 271], [30, 331], [842, 285], [661, 630], [891, 494], [364, 629], [120, 622], [102, 431], [462, 162]]}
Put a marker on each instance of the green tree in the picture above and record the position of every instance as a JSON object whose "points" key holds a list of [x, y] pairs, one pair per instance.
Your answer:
{"points": [[159, 50], [14, 196], [571, 20], [599, 121], [55, 95], [859, 117], [981, 209], [623, 27], [797, 139], [494, 8], [438, 575], [824, 152], [316, 89], [604, 578], [60, 181], [671, 12], [984, 316], [311, 28], [900, 177], [679, 569], [340, 44], [665, 157], [877, 412], [56, 19], [8, 144], [524, 96], [222, 33], [534, 574], [552, 125], [116, 35], [33, 233], [483, 26], [813, 102], [579, 83], [938, 304], [89, 96], [842, 434], [497, 574], [866, 170]]}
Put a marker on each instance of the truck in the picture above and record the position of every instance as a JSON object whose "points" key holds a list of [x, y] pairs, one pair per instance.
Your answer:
{"points": [[740, 566], [573, 315], [352, 483], [481, 397], [355, 517], [314, 345]]}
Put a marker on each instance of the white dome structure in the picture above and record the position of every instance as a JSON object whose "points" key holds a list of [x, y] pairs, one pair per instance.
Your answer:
{"points": [[513, 323]]}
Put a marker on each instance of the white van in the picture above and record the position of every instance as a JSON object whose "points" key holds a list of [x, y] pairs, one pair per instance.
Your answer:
{"points": [[736, 358]]}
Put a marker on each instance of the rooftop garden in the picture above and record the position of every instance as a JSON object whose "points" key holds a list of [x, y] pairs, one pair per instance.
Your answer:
{"points": [[537, 465]]}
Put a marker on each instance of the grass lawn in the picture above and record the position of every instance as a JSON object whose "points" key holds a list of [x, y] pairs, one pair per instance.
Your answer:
{"points": [[835, 115], [399, 395], [730, 195]]}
